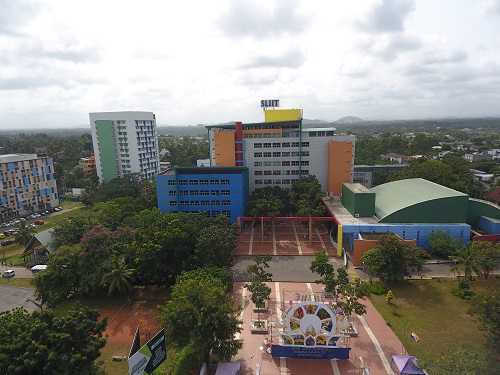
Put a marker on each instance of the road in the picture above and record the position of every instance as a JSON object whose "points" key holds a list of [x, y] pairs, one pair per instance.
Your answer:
{"points": [[12, 297]]}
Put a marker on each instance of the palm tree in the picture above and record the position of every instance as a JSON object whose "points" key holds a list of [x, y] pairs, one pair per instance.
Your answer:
{"points": [[120, 278], [24, 233], [467, 259]]}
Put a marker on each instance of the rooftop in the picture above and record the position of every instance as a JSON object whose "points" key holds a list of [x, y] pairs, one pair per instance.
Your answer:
{"points": [[335, 207]]}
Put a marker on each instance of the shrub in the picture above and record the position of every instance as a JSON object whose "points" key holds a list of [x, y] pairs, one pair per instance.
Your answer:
{"points": [[377, 289]]}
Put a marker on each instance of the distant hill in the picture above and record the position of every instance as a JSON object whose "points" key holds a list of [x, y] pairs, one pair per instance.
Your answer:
{"points": [[349, 120], [314, 122]]}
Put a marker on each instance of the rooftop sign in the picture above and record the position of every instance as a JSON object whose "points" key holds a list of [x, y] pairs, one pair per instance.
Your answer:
{"points": [[270, 103]]}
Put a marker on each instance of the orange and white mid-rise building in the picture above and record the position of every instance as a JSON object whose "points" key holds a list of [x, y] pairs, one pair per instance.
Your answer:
{"points": [[88, 165], [280, 150]]}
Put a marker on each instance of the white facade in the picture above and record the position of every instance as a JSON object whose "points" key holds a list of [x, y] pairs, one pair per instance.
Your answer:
{"points": [[125, 143]]}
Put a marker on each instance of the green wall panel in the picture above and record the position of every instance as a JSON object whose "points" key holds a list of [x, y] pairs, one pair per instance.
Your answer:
{"points": [[107, 149]]}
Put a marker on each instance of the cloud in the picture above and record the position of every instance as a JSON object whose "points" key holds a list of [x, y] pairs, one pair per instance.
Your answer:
{"points": [[389, 46], [387, 16], [444, 57], [488, 7], [247, 18], [14, 14], [290, 58]]}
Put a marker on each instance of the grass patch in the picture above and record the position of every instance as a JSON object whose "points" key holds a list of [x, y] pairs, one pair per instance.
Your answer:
{"points": [[429, 309], [14, 281]]}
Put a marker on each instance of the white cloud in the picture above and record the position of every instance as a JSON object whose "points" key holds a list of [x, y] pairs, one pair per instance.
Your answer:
{"points": [[200, 61]]}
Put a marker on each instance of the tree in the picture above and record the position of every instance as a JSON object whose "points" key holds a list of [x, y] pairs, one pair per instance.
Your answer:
{"points": [[201, 318], [347, 294], [25, 233], [392, 257], [40, 343], [260, 291], [215, 246], [443, 244], [488, 256], [306, 196], [466, 259], [486, 307], [207, 273], [120, 278]]}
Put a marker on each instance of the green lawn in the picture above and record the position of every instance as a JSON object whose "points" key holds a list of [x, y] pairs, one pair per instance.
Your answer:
{"points": [[428, 308], [14, 281]]}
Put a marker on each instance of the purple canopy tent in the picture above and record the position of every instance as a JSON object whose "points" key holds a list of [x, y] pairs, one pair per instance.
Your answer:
{"points": [[407, 365], [228, 368]]}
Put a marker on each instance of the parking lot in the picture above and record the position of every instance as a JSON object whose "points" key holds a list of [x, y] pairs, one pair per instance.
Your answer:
{"points": [[12, 297]]}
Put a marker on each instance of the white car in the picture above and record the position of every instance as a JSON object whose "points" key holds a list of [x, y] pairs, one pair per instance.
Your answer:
{"points": [[8, 273]]}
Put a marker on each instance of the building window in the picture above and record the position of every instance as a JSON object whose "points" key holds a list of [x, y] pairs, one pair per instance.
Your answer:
{"points": [[305, 172], [171, 183], [305, 144], [258, 173], [267, 173], [295, 163], [215, 192], [285, 154], [267, 182], [173, 203], [295, 153], [285, 144], [286, 182], [285, 163], [194, 192], [285, 173], [276, 182], [276, 154], [276, 163], [305, 153], [248, 135], [203, 182], [304, 162], [258, 182], [215, 213], [257, 164], [267, 163], [276, 173], [193, 182], [295, 144], [257, 145], [215, 203], [257, 154], [195, 203], [257, 135], [204, 192], [184, 203], [276, 144], [267, 135], [214, 182], [172, 193], [224, 182], [183, 193], [267, 145], [276, 135], [183, 182], [312, 134], [267, 154], [225, 192], [226, 203], [295, 172], [205, 203]]}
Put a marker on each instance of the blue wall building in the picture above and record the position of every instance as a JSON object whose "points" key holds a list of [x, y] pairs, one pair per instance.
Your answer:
{"points": [[214, 190]]}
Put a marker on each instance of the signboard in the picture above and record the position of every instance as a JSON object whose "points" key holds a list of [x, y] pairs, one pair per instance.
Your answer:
{"points": [[149, 357], [270, 103], [303, 352]]}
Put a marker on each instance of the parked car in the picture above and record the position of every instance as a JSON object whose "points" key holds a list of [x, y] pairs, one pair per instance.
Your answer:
{"points": [[2, 236], [7, 242], [7, 233], [39, 222], [8, 273]]}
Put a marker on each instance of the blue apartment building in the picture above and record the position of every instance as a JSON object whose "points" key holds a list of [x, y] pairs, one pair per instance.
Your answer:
{"points": [[213, 190]]}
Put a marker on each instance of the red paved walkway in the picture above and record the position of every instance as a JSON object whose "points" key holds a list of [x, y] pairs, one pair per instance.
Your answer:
{"points": [[362, 346]]}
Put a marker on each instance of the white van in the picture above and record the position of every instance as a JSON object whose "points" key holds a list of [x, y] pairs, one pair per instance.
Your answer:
{"points": [[38, 268], [8, 273]]}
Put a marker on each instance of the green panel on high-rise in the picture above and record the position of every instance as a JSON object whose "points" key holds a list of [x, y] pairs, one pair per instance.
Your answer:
{"points": [[107, 149]]}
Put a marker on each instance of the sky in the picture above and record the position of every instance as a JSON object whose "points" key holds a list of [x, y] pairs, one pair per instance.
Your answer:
{"points": [[207, 62]]}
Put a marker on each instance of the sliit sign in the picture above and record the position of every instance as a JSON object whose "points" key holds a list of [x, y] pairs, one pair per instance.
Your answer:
{"points": [[270, 103]]}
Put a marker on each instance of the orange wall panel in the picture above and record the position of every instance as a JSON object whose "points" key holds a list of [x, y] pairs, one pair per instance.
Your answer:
{"points": [[224, 149], [362, 246], [339, 165]]}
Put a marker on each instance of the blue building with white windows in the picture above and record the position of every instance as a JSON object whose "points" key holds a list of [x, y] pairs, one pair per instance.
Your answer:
{"points": [[27, 184], [213, 190]]}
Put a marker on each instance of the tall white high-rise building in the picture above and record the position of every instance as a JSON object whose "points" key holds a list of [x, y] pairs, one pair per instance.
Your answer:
{"points": [[125, 143]]}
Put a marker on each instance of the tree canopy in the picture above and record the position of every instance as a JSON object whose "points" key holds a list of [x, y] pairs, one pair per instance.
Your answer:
{"points": [[40, 343], [392, 257]]}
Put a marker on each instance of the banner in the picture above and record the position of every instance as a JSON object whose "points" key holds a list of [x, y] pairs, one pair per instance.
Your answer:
{"points": [[150, 356]]}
